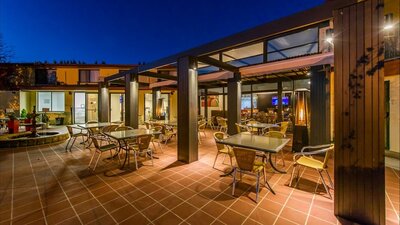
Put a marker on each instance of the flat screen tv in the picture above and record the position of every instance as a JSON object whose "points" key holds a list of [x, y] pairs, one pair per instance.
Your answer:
{"points": [[285, 100]]}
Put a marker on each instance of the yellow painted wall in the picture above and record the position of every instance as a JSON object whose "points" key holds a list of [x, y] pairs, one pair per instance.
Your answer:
{"points": [[70, 76], [105, 72]]}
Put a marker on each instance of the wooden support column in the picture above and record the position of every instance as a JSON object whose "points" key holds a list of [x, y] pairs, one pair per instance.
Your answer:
{"points": [[205, 103], [359, 113], [156, 94], [104, 102], [320, 105], [187, 110], [131, 100], [280, 107], [234, 102]]}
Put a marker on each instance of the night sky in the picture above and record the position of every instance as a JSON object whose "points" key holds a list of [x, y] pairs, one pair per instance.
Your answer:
{"points": [[126, 31]]}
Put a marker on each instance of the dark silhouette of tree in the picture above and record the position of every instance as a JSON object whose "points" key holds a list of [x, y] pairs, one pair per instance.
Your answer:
{"points": [[5, 51]]}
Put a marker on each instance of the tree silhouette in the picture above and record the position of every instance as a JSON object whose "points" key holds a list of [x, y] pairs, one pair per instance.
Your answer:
{"points": [[5, 51]]}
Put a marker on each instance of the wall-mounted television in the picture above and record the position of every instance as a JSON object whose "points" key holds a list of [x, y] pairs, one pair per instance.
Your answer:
{"points": [[285, 100]]}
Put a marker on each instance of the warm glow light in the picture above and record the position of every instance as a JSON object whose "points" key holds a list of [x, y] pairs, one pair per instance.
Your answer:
{"points": [[388, 27], [301, 115], [329, 40]]}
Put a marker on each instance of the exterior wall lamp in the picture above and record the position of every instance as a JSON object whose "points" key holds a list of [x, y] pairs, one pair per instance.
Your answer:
{"points": [[329, 36], [388, 21]]}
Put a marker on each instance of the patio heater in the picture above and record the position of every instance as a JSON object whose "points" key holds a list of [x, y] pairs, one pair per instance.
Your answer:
{"points": [[300, 129], [160, 109]]}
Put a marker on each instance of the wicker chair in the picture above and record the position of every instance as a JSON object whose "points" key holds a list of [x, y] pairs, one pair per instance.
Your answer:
{"points": [[305, 158], [222, 149], [142, 146], [222, 123], [201, 128], [242, 129], [247, 164], [100, 149], [277, 134], [157, 137], [73, 136]]}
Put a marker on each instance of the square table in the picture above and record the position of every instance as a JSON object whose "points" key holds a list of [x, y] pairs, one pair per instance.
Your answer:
{"points": [[89, 127], [269, 145], [123, 135]]}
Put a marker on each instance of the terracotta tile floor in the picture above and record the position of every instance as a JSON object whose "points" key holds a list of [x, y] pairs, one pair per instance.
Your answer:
{"points": [[46, 185]]}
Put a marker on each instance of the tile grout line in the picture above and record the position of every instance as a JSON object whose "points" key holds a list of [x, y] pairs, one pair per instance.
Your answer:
{"points": [[252, 211], [287, 199], [139, 211], [312, 201], [12, 187], [94, 197], [391, 204], [59, 183], [37, 187]]}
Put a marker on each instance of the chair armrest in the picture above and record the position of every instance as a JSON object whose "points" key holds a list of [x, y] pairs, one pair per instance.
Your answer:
{"points": [[325, 146], [319, 149]]}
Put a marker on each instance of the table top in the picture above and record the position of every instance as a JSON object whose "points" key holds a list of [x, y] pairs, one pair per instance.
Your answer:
{"points": [[261, 125], [94, 125], [126, 134], [256, 142], [166, 122]]}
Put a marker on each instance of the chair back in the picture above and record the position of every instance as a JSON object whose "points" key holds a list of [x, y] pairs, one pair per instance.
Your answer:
{"points": [[275, 134], [109, 128], [91, 121], [219, 136], [222, 122], [328, 155], [244, 158], [70, 131], [252, 122], [147, 125], [157, 129], [144, 141], [123, 128], [95, 142], [240, 128], [202, 125], [284, 126]]}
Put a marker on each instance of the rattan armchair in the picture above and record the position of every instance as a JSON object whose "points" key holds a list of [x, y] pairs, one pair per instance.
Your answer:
{"points": [[221, 148], [306, 158]]}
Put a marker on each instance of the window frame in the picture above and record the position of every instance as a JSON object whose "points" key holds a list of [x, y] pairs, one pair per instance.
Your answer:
{"points": [[51, 100], [89, 81]]}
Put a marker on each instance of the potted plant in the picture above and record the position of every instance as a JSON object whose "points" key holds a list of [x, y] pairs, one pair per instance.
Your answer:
{"points": [[13, 123], [23, 114], [28, 120]]}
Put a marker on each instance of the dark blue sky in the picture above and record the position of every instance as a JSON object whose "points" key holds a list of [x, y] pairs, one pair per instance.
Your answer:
{"points": [[126, 31]]}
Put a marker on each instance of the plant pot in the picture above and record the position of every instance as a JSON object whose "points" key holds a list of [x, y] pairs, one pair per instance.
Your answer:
{"points": [[13, 126], [28, 127]]}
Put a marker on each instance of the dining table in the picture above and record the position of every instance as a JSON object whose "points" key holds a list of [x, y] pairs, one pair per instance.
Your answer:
{"points": [[124, 136], [267, 145], [261, 126], [90, 128]]}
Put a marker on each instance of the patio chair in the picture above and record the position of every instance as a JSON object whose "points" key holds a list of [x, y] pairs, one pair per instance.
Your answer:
{"points": [[210, 122], [121, 128], [247, 164], [142, 147], [222, 123], [221, 148], [305, 158], [283, 126], [148, 125], [201, 128], [168, 133], [157, 137], [73, 136], [242, 129], [277, 134], [253, 130], [100, 149]]}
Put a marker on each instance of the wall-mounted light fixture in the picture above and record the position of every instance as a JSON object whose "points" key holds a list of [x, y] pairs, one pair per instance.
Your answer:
{"points": [[388, 21], [329, 35]]}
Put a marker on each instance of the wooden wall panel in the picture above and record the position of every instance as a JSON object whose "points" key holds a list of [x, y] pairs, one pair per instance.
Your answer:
{"points": [[359, 113]]}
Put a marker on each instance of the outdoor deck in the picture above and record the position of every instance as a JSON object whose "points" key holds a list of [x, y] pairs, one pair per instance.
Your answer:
{"points": [[46, 185]]}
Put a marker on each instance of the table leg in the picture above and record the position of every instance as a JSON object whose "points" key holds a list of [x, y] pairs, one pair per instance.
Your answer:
{"points": [[273, 166]]}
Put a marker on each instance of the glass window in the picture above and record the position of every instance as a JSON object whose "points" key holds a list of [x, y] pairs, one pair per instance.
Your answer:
{"points": [[246, 101], [89, 76], [265, 86], [54, 101], [297, 44], [244, 56], [213, 91], [246, 88]]}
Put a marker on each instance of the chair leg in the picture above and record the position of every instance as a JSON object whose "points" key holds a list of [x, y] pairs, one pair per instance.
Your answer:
{"points": [[323, 182], [215, 160], [283, 158], [66, 147], [330, 179], [257, 185], [159, 145], [266, 184], [292, 175], [230, 159], [95, 165], [234, 181], [92, 159], [135, 155], [151, 156]]}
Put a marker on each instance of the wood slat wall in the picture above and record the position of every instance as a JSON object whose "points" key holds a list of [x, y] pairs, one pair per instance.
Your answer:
{"points": [[359, 113]]}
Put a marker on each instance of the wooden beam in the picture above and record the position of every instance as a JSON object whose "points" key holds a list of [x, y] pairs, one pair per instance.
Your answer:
{"points": [[158, 75], [217, 63]]}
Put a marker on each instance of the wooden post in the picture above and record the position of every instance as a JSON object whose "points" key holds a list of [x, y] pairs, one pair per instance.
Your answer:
{"points": [[359, 113], [104, 103], [187, 110], [234, 103], [131, 100]]}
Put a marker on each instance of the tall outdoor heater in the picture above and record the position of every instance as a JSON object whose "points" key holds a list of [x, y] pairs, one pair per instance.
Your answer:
{"points": [[301, 120]]}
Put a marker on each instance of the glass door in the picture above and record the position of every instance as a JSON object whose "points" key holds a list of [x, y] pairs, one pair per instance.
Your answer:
{"points": [[117, 107], [92, 106], [79, 107]]}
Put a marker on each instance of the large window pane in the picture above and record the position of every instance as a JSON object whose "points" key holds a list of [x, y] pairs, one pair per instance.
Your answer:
{"points": [[297, 44], [58, 101], [44, 100], [244, 56], [265, 86]]}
